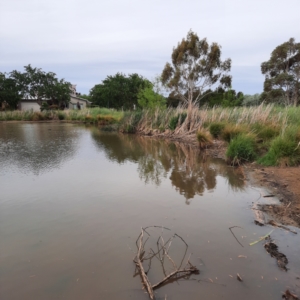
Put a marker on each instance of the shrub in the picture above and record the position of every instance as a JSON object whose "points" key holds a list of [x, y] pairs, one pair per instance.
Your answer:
{"points": [[241, 148], [231, 131], [215, 129], [109, 128], [61, 116], [89, 119], [204, 138], [105, 120], [37, 116]]}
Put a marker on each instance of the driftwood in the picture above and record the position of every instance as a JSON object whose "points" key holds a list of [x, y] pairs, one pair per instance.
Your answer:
{"points": [[162, 254], [289, 296], [259, 215], [273, 223]]}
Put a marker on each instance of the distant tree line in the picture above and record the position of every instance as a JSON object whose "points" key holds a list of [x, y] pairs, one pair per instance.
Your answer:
{"points": [[196, 74]]}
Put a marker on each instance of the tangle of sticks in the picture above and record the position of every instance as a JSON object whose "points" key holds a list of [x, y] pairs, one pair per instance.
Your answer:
{"points": [[162, 254]]}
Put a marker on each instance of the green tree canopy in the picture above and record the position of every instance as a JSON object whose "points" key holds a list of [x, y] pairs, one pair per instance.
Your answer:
{"points": [[221, 97], [9, 91], [36, 84], [119, 91], [282, 71], [196, 67], [151, 96]]}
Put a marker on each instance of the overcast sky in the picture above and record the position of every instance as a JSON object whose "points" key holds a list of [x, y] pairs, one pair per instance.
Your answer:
{"points": [[83, 41]]}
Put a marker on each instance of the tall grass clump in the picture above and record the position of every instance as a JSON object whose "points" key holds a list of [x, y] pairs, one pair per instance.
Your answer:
{"points": [[230, 131], [216, 129], [284, 149], [266, 131], [204, 138], [242, 148]]}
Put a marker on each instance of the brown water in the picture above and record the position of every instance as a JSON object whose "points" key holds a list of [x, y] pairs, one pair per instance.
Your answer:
{"points": [[73, 201]]}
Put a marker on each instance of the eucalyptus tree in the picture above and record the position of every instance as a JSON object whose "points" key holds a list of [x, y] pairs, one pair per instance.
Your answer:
{"points": [[196, 67], [282, 74]]}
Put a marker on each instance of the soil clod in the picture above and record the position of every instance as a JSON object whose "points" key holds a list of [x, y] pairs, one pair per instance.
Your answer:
{"points": [[272, 249]]}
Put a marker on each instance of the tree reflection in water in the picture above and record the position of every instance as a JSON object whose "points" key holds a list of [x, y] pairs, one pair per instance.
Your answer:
{"points": [[190, 172], [36, 148]]}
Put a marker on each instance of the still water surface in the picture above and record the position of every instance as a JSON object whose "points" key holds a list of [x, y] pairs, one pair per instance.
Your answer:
{"points": [[73, 201]]}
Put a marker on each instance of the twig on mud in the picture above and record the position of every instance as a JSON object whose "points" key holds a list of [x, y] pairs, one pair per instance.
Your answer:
{"points": [[162, 253], [234, 234]]}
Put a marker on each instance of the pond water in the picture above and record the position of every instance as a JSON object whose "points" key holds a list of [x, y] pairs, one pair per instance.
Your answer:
{"points": [[73, 201]]}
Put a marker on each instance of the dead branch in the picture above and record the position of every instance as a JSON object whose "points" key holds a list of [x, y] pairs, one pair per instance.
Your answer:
{"points": [[138, 262], [187, 271], [162, 252]]}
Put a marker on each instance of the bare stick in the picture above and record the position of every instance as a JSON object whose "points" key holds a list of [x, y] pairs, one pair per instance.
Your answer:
{"points": [[234, 234], [188, 271], [139, 264]]}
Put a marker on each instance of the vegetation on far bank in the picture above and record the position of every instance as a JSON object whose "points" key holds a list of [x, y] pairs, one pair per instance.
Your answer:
{"points": [[266, 133], [200, 102]]}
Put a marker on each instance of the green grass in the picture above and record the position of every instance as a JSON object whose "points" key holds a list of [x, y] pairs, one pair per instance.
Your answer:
{"points": [[242, 148], [216, 129], [230, 131], [284, 149]]}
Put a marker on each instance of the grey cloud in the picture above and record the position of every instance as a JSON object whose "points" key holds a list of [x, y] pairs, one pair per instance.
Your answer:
{"points": [[84, 41]]}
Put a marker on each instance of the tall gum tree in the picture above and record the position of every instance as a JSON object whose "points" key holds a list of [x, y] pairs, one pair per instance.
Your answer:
{"points": [[196, 67], [282, 73]]}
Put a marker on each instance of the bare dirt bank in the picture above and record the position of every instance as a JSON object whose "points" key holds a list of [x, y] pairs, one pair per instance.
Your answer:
{"points": [[283, 183]]}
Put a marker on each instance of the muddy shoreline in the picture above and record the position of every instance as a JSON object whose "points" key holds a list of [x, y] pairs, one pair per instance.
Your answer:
{"points": [[282, 183]]}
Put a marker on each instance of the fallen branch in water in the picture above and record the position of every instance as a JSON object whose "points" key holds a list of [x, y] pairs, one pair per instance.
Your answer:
{"points": [[234, 234], [162, 254]]}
